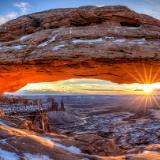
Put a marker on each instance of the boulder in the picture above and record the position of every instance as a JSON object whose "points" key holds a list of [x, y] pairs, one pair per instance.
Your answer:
{"points": [[95, 144]]}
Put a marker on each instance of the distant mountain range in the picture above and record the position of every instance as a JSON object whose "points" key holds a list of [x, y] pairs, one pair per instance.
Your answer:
{"points": [[26, 92]]}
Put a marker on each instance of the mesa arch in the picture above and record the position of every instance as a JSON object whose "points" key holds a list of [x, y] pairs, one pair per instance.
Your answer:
{"points": [[16, 76], [111, 43]]}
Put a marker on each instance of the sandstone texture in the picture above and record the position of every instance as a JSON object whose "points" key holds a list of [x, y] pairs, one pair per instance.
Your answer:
{"points": [[110, 42]]}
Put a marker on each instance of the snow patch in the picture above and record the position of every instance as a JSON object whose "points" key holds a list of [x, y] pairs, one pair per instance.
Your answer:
{"points": [[56, 48], [118, 41], [1, 123], [91, 41], [43, 44], [133, 28], [138, 41], [6, 155], [47, 42], [53, 38], [109, 38], [71, 149], [25, 37], [3, 141], [29, 156], [18, 47]]}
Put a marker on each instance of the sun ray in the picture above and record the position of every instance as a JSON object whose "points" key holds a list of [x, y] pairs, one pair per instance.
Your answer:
{"points": [[150, 75], [136, 78], [133, 103], [150, 101], [139, 75], [137, 103], [145, 74], [155, 100], [141, 102], [145, 105], [154, 78]]}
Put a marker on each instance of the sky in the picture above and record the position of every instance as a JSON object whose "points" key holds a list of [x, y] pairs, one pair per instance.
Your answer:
{"points": [[11, 9], [90, 86]]}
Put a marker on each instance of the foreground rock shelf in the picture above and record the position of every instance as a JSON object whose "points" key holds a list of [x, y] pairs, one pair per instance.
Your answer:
{"points": [[55, 146]]}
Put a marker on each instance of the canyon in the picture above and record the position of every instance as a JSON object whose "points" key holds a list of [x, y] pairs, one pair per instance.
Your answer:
{"points": [[89, 127]]}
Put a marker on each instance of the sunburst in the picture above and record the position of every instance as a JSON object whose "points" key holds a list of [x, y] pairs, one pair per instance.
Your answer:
{"points": [[148, 88], [145, 76]]}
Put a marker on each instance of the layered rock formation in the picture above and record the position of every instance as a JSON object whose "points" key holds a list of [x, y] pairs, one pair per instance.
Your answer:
{"points": [[94, 42]]}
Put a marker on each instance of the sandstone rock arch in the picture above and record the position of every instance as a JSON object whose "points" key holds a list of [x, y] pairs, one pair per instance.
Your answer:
{"points": [[90, 42]]}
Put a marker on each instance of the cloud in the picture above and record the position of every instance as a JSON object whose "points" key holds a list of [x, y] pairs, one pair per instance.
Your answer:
{"points": [[8, 17], [139, 90], [100, 5], [100, 90], [84, 81], [23, 6]]}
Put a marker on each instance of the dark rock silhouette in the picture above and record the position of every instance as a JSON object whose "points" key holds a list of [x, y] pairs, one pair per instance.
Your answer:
{"points": [[41, 121], [62, 106]]}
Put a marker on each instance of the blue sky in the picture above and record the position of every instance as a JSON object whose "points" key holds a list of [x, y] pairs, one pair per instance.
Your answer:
{"points": [[10, 9]]}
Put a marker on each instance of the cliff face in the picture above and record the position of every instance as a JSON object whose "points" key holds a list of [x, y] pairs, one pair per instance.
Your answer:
{"points": [[94, 42]]}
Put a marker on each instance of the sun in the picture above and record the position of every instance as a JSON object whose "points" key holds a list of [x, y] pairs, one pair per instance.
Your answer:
{"points": [[148, 88]]}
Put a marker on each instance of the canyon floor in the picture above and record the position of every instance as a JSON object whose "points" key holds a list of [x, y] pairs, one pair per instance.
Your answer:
{"points": [[91, 127]]}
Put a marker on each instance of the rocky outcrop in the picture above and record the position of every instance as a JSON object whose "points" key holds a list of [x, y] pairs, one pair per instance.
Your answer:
{"points": [[25, 105], [63, 118], [23, 144], [76, 17], [94, 144], [96, 42]]}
